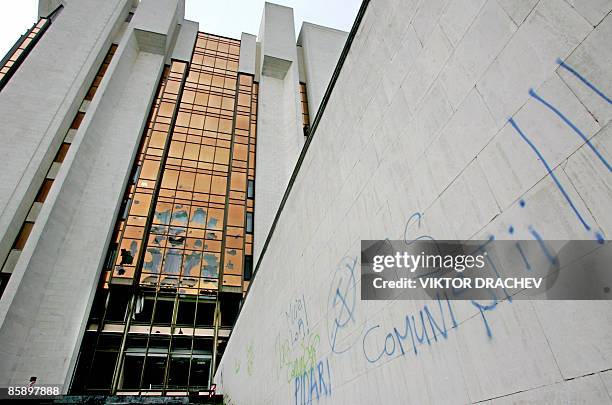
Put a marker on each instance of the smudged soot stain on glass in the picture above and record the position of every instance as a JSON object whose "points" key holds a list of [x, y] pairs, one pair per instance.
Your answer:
{"points": [[163, 216], [211, 268], [180, 217], [158, 239], [172, 264], [175, 230], [192, 260], [176, 240], [152, 266], [199, 216]]}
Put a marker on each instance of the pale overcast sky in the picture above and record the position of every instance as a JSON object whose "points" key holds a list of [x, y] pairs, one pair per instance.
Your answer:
{"points": [[223, 17]]}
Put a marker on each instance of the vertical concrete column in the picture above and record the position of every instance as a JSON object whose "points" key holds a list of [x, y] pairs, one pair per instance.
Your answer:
{"points": [[46, 7], [321, 48], [248, 53], [45, 307], [39, 102], [279, 130], [185, 41]]}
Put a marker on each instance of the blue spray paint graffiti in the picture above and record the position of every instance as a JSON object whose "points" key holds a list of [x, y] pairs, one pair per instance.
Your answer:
{"points": [[394, 340], [296, 317], [488, 305], [313, 384], [566, 120], [341, 302], [598, 235], [550, 172], [584, 80]]}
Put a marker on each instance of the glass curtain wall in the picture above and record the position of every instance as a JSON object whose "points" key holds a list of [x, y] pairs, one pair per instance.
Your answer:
{"points": [[180, 260]]}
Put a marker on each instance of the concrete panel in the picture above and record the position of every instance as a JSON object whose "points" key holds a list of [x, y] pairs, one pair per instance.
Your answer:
{"points": [[275, 67], [300, 57], [584, 390], [591, 177], [427, 17], [594, 11], [321, 47], [155, 23], [482, 358], [554, 138], [553, 30], [576, 334], [46, 7], [277, 34], [185, 41], [592, 59], [485, 38], [518, 10], [248, 53], [458, 16], [53, 170], [606, 377]]}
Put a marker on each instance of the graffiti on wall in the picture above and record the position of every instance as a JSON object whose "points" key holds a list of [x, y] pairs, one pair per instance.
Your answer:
{"points": [[295, 348], [427, 328], [313, 384], [342, 299], [299, 356]]}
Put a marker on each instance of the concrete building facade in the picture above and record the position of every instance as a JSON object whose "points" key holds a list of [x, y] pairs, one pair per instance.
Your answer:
{"points": [[127, 223], [181, 209]]}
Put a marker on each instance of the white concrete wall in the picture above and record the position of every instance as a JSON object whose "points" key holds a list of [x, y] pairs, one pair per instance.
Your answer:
{"points": [[321, 49], [279, 116], [183, 48], [46, 7], [418, 124], [40, 101], [248, 53], [45, 306]]}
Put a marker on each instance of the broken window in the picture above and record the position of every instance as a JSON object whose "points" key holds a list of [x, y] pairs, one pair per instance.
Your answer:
{"points": [[205, 315], [154, 370], [110, 256], [143, 310], [185, 314], [132, 371], [163, 311], [178, 375], [230, 304], [102, 370], [200, 372], [117, 304]]}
